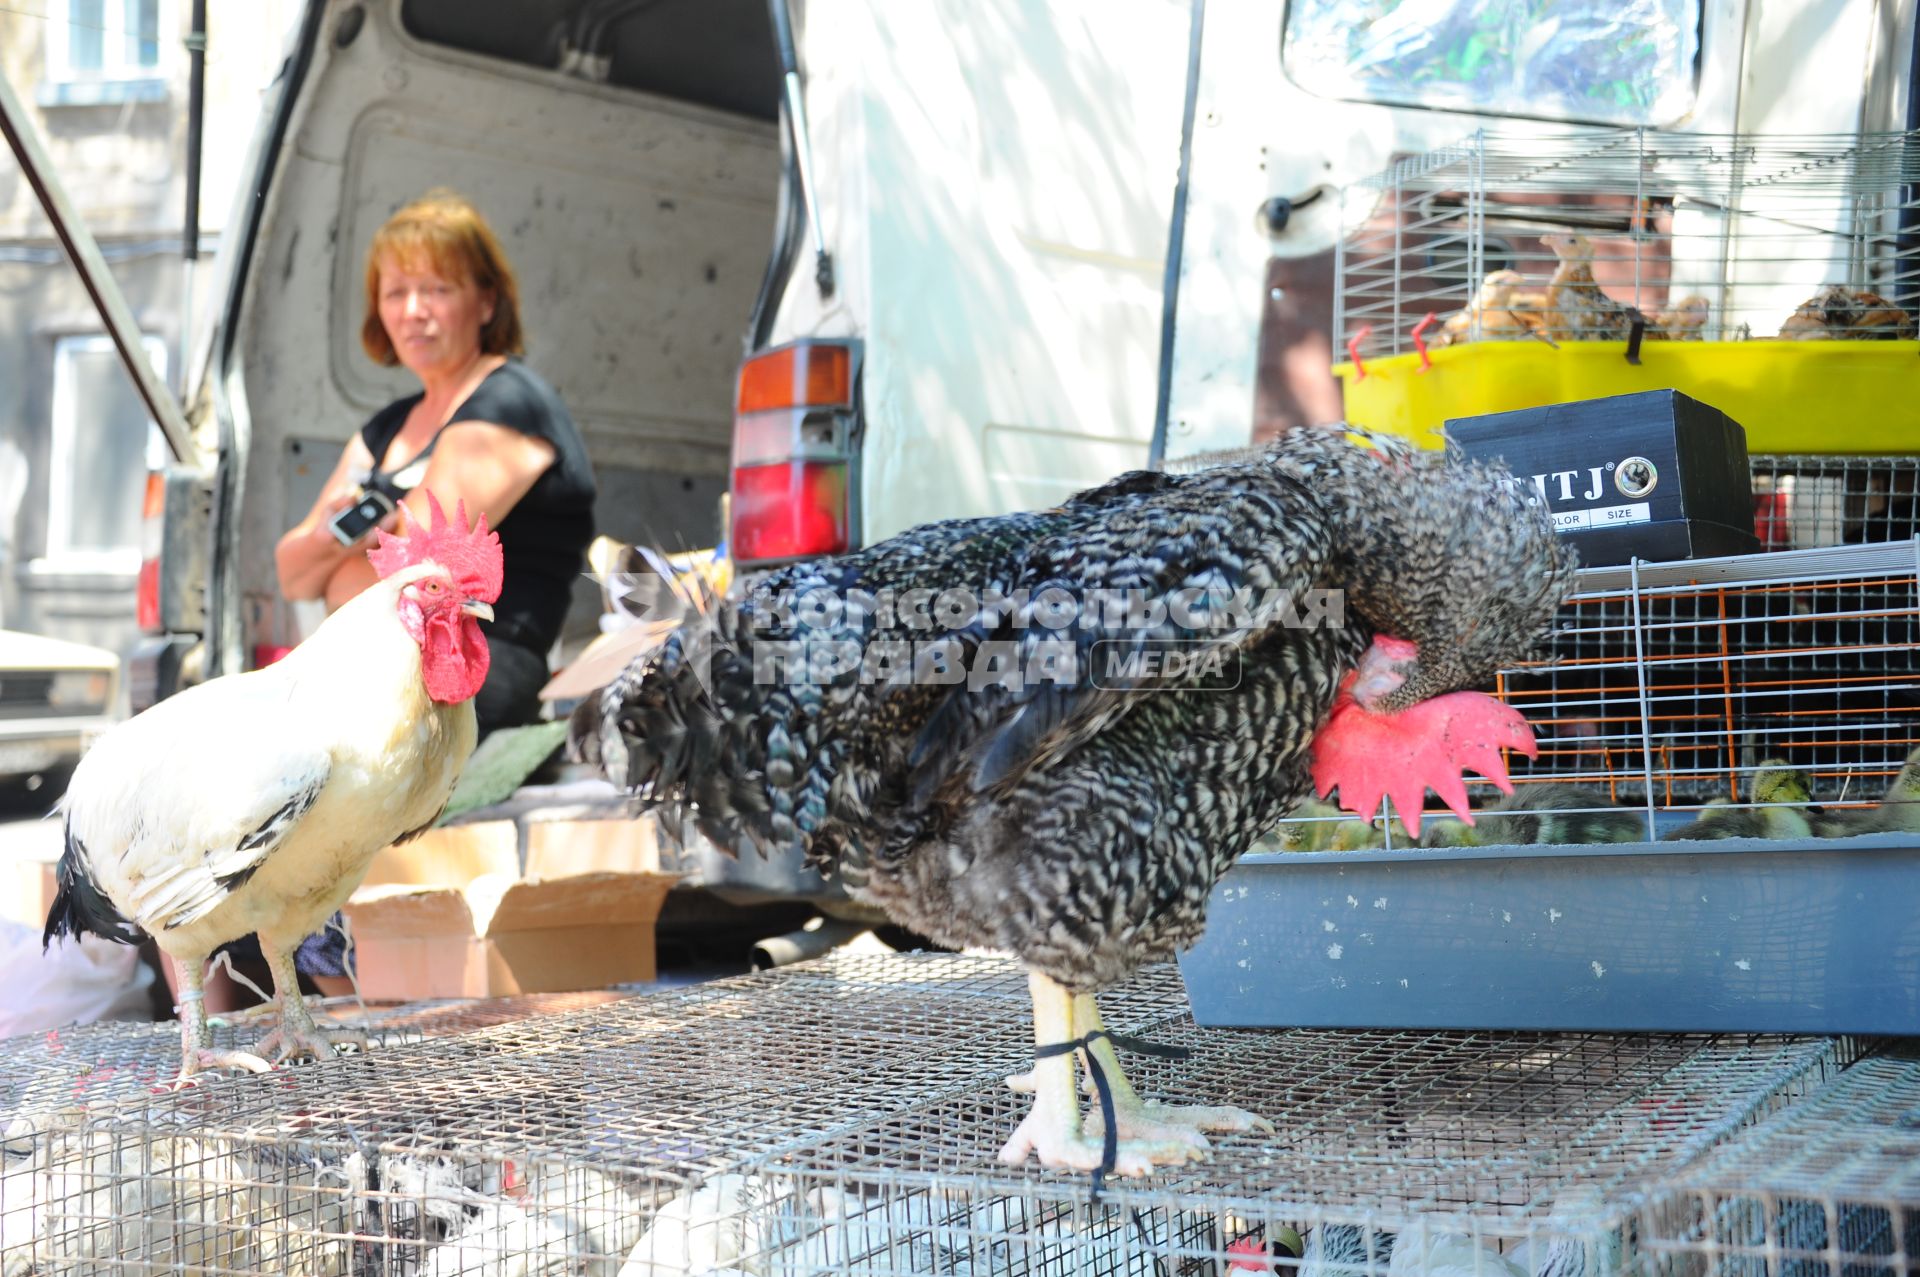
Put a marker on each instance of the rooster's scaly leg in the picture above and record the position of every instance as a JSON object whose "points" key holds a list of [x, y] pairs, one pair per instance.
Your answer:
{"points": [[1052, 1130], [299, 1033], [1151, 1120], [196, 1037]]}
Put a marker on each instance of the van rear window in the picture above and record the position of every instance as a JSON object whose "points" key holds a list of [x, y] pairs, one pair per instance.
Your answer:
{"points": [[1622, 62], [715, 53]]}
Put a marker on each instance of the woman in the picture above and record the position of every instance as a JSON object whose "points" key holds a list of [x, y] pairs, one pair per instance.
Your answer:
{"points": [[484, 429]]}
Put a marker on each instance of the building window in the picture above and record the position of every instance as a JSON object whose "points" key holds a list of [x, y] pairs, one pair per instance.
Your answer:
{"points": [[104, 51], [103, 445]]}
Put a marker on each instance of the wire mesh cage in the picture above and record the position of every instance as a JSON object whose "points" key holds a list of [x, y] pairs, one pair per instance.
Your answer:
{"points": [[1576, 236], [1500, 1148], [114, 1060], [1676, 684], [1827, 1187], [1806, 501], [843, 1116], [1772, 695]]}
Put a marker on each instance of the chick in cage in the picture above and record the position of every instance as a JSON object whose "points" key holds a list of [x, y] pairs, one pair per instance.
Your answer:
{"points": [[1500, 310], [1317, 826], [1897, 812], [1616, 232], [1571, 305], [1838, 313], [1368, 835], [1780, 809], [1541, 814], [1686, 320], [1575, 307]]}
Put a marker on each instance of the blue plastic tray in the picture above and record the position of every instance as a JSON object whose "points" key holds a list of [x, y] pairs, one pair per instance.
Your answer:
{"points": [[1736, 935]]}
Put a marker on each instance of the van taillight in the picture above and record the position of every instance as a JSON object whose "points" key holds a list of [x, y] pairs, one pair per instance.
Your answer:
{"points": [[790, 510], [793, 446], [146, 598], [804, 375]]}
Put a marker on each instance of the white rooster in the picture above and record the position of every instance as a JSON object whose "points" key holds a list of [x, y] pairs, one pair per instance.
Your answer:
{"points": [[254, 803]]}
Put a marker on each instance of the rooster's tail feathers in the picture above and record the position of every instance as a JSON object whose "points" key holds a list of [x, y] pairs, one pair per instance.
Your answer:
{"points": [[635, 729], [663, 730], [79, 906]]}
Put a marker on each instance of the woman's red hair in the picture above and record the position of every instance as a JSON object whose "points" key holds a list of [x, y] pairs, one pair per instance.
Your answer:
{"points": [[444, 229]]}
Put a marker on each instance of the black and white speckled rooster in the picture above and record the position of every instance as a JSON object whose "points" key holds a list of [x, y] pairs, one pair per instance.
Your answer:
{"points": [[1073, 799]]}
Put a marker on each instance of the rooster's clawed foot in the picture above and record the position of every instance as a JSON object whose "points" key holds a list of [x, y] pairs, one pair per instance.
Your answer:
{"points": [[293, 1039], [1157, 1123], [201, 1059]]}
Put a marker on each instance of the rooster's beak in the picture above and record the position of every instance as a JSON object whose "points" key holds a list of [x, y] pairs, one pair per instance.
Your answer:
{"points": [[474, 607]]}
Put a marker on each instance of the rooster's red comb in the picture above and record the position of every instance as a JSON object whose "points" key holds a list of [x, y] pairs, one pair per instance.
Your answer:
{"points": [[472, 555]]}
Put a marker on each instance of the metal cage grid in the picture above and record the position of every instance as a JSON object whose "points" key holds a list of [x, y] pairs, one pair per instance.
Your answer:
{"points": [[1671, 684], [843, 1116], [1806, 501], [1715, 236], [1826, 1187], [1670, 689], [1387, 1125], [118, 1059]]}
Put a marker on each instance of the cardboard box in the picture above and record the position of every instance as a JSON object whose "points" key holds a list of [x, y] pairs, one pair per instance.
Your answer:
{"points": [[503, 907], [1654, 475], [27, 872], [29, 887]]}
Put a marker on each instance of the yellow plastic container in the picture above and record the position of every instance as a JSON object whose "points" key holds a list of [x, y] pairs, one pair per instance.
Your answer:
{"points": [[1791, 396]]}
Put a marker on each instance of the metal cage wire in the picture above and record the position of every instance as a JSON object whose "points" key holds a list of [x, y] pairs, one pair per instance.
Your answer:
{"points": [[1828, 1185], [1673, 683], [1670, 688], [1713, 236], [1801, 502], [843, 1116]]}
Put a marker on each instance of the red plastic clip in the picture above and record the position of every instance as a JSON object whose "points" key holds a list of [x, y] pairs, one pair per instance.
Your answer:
{"points": [[1420, 340], [1353, 351]]}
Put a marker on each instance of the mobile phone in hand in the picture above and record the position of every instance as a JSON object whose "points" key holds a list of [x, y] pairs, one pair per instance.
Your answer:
{"points": [[359, 518]]}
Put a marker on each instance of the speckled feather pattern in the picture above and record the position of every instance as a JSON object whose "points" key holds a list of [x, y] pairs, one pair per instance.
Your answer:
{"points": [[1082, 828]]}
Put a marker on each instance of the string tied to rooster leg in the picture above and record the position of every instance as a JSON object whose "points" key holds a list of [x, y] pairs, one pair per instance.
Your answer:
{"points": [[1110, 1134]]}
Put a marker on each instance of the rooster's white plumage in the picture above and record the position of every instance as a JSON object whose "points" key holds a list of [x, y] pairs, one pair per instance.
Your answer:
{"points": [[254, 804]]}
